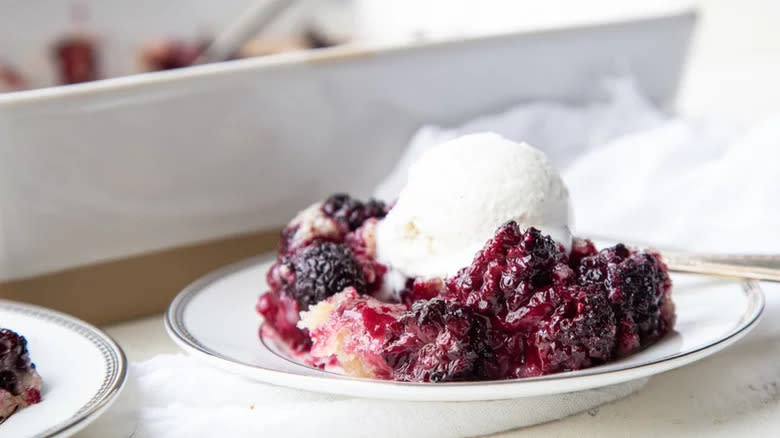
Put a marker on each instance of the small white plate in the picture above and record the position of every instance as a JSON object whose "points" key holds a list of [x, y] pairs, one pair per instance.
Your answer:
{"points": [[214, 319], [83, 371]]}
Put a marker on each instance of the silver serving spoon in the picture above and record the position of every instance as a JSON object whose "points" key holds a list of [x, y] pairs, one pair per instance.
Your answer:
{"points": [[260, 14], [764, 267], [750, 266]]}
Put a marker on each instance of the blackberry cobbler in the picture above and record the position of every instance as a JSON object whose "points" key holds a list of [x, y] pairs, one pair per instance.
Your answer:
{"points": [[526, 304], [20, 384], [522, 308]]}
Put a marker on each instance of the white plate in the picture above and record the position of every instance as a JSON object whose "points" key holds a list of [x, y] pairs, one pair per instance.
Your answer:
{"points": [[83, 371], [214, 319]]}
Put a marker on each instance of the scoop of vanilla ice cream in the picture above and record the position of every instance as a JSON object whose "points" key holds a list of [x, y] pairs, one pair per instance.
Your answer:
{"points": [[456, 196]]}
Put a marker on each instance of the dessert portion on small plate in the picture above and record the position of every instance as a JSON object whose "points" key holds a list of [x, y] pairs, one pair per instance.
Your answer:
{"points": [[470, 286], [472, 274], [215, 321], [20, 383], [83, 371]]}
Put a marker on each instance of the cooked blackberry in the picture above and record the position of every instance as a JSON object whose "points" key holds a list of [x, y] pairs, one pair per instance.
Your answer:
{"points": [[351, 212], [638, 286], [20, 384], [436, 341], [321, 270], [319, 255], [581, 332], [507, 271]]}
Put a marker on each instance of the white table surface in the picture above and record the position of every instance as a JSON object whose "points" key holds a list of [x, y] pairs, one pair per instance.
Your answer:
{"points": [[733, 71]]}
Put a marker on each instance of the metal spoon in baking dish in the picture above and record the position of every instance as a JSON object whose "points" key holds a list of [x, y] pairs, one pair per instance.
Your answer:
{"points": [[259, 15], [754, 267]]}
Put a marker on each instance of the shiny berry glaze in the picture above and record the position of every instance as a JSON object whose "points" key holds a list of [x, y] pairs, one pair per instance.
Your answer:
{"points": [[32, 396], [280, 313], [435, 341], [422, 289]]}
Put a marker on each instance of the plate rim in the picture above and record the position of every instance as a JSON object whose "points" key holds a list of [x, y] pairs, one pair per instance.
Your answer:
{"points": [[177, 331], [115, 358]]}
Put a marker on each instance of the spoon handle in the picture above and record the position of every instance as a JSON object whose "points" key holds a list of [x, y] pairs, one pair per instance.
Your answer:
{"points": [[756, 267], [256, 17]]}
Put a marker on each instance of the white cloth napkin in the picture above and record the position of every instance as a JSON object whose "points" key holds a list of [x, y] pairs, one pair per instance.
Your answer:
{"points": [[176, 396], [667, 180]]}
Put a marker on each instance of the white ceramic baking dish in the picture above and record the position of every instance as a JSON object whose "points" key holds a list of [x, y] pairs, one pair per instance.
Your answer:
{"points": [[124, 166]]}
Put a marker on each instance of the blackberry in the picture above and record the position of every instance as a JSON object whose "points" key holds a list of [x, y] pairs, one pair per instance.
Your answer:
{"points": [[508, 270], [637, 286], [581, 332], [636, 289], [14, 360], [9, 382], [321, 270], [350, 212], [538, 256], [324, 249], [436, 341]]}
